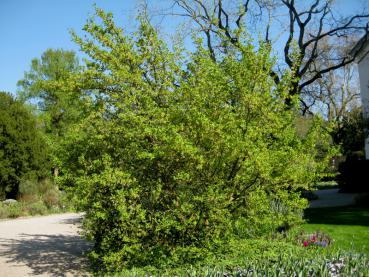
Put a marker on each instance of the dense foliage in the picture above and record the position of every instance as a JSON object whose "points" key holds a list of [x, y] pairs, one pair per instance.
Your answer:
{"points": [[179, 153], [23, 154], [267, 259]]}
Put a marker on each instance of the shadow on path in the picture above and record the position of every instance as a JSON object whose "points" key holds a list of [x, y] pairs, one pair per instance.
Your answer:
{"points": [[53, 255]]}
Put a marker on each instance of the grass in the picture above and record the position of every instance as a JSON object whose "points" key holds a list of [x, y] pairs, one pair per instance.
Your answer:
{"points": [[348, 226]]}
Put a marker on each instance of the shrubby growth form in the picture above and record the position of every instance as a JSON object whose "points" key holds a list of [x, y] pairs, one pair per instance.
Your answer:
{"points": [[180, 153], [23, 155]]}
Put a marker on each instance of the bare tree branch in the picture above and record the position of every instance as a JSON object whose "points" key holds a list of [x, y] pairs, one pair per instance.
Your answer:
{"points": [[309, 23], [242, 13]]}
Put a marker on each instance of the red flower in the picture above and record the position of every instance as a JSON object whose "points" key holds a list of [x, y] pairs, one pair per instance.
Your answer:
{"points": [[306, 244]]}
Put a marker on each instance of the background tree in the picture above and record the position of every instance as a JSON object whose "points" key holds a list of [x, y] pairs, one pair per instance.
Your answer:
{"points": [[305, 25], [45, 85], [22, 150], [336, 92], [50, 85], [337, 97]]}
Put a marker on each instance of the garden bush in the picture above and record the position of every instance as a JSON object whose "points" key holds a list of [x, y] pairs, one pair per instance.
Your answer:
{"points": [[267, 258], [36, 198], [4, 213], [28, 187], [35, 190], [14, 210], [178, 149], [37, 208]]}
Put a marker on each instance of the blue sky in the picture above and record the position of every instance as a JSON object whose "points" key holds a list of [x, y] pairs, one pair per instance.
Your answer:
{"points": [[29, 27]]}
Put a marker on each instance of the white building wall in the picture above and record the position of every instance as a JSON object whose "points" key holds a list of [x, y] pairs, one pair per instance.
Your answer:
{"points": [[363, 66]]}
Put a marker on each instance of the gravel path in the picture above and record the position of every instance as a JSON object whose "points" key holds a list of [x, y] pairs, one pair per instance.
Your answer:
{"points": [[331, 198], [43, 246]]}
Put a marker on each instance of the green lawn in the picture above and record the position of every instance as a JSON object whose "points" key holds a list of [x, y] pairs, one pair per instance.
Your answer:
{"points": [[348, 226]]}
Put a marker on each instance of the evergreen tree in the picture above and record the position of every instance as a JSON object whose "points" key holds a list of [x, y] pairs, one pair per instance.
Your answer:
{"points": [[22, 149]]}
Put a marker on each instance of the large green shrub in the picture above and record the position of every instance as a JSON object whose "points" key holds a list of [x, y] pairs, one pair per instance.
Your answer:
{"points": [[176, 150], [22, 149]]}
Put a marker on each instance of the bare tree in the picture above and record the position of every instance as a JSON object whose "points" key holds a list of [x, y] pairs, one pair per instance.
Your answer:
{"points": [[306, 24], [336, 93]]}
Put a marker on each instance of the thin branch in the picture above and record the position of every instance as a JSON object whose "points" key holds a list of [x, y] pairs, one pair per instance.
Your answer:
{"points": [[319, 74], [242, 13], [334, 31], [315, 47]]}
